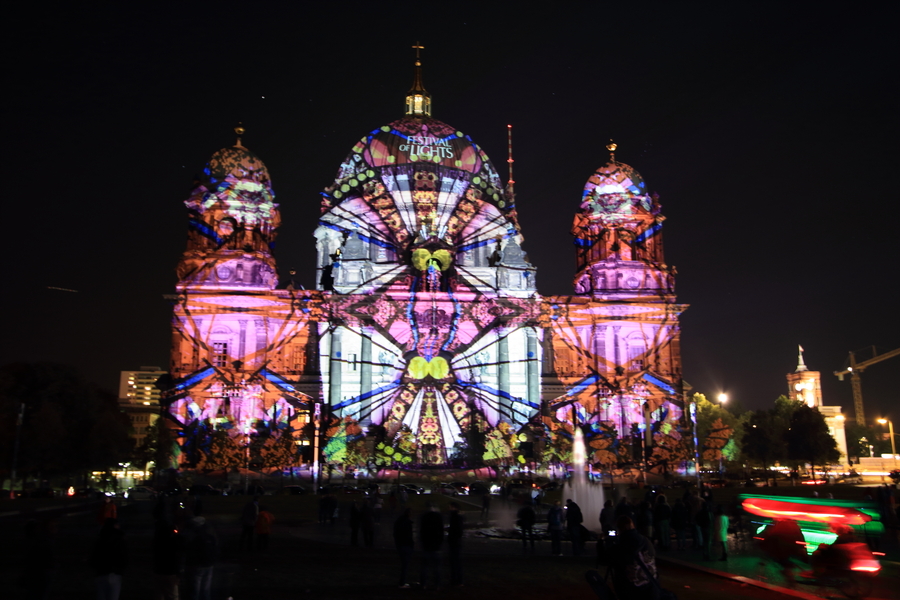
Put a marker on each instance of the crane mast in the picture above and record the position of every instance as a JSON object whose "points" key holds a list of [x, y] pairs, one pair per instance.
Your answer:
{"points": [[855, 370]]}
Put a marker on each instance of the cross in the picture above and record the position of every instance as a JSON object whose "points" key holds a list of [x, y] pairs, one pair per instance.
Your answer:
{"points": [[417, 47]]}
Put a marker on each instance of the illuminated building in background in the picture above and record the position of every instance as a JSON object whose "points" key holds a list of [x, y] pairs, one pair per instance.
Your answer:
{"points": [[139, 399], [425, 342], [806, 386]]}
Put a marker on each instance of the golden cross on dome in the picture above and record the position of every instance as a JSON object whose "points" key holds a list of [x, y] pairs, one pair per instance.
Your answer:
{"points": [[418, 47]]}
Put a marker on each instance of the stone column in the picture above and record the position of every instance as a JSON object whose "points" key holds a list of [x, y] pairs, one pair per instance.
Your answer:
{"points": [[533, 366], [365, 375], [503, 366], [334, 368]]}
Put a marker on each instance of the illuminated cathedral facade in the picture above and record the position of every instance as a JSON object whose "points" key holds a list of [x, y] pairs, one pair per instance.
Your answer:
{"points": [[425, 343]]}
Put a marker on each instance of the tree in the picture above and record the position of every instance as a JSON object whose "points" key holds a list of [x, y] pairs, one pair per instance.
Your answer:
{"points": [[70, 425], [808, 439], [715, 427], [763, 439]]}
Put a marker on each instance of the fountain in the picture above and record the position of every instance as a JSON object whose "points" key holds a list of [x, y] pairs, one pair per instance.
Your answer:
{"points": [[588, 496]]}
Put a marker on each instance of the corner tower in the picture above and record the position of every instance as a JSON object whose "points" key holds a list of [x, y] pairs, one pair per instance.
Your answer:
{"points": [[616, 343]]}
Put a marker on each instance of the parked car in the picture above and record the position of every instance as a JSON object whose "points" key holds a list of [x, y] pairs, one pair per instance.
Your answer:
{"points": [[140, 492], [412, 490], [454, 488], [203, 489]]}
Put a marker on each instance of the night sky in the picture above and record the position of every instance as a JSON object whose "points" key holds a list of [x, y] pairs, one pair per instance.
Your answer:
{"points": [[769, 130]]}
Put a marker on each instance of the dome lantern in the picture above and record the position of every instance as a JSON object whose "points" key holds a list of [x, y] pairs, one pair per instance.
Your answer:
{"points": [[418, 100]]}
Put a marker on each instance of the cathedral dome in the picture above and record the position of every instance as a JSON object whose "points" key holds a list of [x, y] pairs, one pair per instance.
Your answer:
{"points": [[236, 164], [416, 143], [615, 178]]}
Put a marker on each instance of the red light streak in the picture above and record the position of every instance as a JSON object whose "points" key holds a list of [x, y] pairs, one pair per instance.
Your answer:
{"points": [[780, 509]]}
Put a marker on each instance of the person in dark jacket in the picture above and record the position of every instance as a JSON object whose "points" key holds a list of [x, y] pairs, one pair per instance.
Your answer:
{"points": [[555, 520], [630, 549], [431, 538], [202, 550], [454, 544], [168, 560], [109, 558], [662, 520], [355, 520], [574, 518], [680, 519], [607, 518], [403, 540], [367, 523], [525, 521]]}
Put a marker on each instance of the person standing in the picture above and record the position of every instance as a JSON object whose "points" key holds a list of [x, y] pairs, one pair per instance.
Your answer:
{"points": [[719, 534], [662, 520], [168, 560], [607, 518], [555, 520], [403, 540], [108, 510], [574, 519], [367, 523], [630, 549], [248, 524], [263, 528], [109, 557], [702, 522], [454, 544], [202, 551], [526, 520], [355, 521], [431, 537], [680, 524]]}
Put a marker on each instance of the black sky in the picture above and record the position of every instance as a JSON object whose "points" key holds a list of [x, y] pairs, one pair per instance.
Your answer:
{"points": [[769, 130]]}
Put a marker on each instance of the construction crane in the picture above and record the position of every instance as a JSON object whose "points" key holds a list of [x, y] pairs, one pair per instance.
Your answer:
{"points": [[855, 369]]}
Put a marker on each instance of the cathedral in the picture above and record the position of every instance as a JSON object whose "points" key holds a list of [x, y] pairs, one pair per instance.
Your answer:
{"points": [[425, 343]]}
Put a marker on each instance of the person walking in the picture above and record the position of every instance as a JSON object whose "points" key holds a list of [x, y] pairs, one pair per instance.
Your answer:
{"points": [[263, 528], [525, 521], [403, 540], [574, 519], [454, 544], [555, 520], [431, 538], [108, 559]]}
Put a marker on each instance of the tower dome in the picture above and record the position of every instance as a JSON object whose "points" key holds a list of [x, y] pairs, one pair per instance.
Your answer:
{"points": [[615, 190], [233, 220]]}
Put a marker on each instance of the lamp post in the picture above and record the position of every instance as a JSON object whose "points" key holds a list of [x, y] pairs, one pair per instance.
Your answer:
{"points": [[723, 398], [893, 444]]}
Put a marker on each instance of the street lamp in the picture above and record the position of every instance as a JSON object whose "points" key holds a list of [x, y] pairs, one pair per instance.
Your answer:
{"points": [[893, 444], [723, 398]]}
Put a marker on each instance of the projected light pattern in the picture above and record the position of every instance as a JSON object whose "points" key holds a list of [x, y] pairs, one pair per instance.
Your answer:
{"points": [[426, 331]]}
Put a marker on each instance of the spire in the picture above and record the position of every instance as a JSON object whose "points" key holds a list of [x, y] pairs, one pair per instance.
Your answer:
{"points": [[418, 100], [801, 366], [239, 130], [611, 146], [509, 184]]}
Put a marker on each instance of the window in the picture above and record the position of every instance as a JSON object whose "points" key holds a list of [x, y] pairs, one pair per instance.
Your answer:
{"points": [[220, 354]]}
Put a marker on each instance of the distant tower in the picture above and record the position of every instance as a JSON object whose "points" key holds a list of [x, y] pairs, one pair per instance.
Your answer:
{"points": [[805, 385]]}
